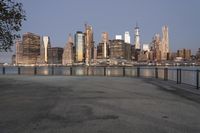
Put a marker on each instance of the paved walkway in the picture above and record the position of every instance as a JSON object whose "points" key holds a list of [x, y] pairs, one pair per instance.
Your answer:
{"points": [[61, 104]]}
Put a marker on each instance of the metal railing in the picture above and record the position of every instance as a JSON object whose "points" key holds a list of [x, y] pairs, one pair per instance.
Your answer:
{"points": [[179, 75]]}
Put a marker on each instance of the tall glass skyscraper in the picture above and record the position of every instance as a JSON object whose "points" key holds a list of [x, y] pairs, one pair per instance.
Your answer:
{"points": [[137, 37], [79, 46]]}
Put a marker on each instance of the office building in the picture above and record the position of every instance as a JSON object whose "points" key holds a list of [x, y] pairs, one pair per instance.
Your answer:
{"points": [[184, 54], [198, 54], [120, 50], [79, 40], [143, 56], [104, 44], [104, 37], [55, 55], [31, 48], [127, 37], [137, 37], [89, 44], [19, 52], [100, 51], [165, 42], [118, 37], [156, 48], [68, 56], [95, 55], [45, 44]]}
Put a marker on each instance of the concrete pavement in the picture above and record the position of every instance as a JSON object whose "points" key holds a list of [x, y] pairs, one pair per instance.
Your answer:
{"points": [[64, 104]]}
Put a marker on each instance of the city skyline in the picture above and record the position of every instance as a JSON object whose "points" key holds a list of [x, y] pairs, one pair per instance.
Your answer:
{"points": [[69, 16], [58, 19], [36, 50]]}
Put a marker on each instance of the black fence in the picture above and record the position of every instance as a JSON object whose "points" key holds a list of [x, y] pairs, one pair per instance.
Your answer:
{"points": [[179, 75]]}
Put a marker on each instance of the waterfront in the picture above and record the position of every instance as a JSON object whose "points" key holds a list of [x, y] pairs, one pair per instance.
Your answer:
{"points": [[188, 75]]}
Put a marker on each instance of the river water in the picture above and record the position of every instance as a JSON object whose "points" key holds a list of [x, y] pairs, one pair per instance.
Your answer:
{"points": [[188, 73]]}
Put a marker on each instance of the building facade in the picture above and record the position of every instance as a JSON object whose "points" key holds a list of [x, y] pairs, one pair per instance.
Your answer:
{"points": [[165, 43], [89, 44], [55, 55], [156, 48], [95, 55], [104, 44], [127, 37], [198, 54], [137, 37], [184, 54], [68, 56], [120, 50], [79, 40], [45, 45], [28, 50], [118, 37], [19, 52]]}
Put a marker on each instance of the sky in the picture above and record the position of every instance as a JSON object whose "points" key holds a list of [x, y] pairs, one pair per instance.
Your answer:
{"points": [[58, 18]]}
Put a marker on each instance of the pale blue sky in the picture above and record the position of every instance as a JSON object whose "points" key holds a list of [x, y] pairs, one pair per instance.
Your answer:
{"points": [[58, 18]]}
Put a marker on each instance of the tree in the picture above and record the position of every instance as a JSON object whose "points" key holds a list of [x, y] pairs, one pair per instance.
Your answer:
{"points": [[11, 17]]}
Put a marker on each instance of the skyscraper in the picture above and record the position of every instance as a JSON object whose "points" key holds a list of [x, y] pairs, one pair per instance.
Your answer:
{"points": [[104, 37], [31, 48], [165, 42], [127, 37], [157, 47], [105, 44], [19, 52], [137, 37], [79, 46], [89, 44], [45, 44], [68, 52]]}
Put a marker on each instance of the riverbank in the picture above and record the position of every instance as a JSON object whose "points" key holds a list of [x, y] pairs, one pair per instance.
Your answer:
{"points": [[41, 104]]}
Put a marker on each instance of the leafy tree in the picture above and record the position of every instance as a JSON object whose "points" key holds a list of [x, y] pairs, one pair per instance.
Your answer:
{"points": [[11, 17]]}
